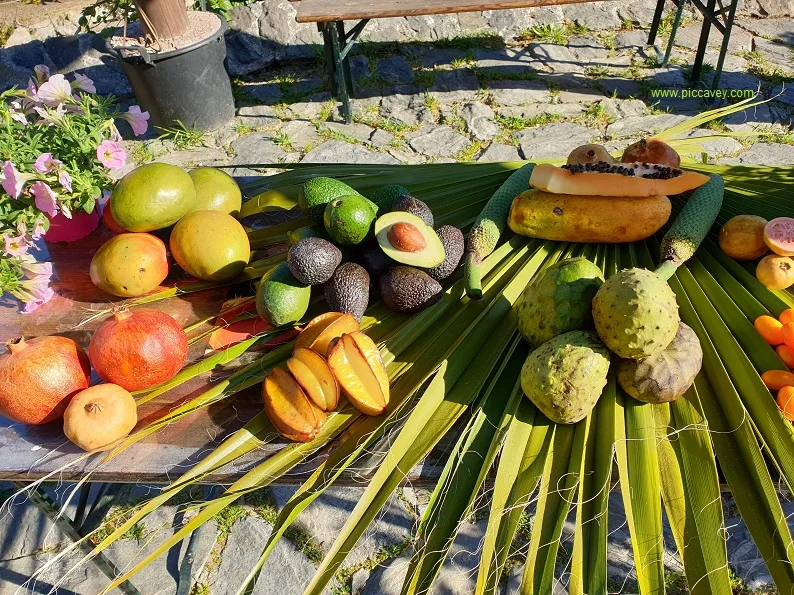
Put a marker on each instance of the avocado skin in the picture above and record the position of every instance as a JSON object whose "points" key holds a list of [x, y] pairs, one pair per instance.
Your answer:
{"points": [[407, 289], [372, 258], [385, 195], [313, 260], [453, 242], [281, 299], [348, 219], [348, 290], [411, 204]]}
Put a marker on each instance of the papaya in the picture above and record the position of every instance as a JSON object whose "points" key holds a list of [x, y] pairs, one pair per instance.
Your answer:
{"points": [[609, 179], [572, 218]]}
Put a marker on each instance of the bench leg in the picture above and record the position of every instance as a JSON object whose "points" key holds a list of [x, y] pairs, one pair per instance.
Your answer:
{"points": [[676, 23], [330, 66], [657, 19], [697, 65], [339, 72], [726, 37]]}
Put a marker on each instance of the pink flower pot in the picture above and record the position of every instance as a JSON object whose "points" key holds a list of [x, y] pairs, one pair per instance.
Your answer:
{"points": [[79, 226]]}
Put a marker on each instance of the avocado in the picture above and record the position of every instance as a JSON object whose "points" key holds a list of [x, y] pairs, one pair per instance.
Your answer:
{"points": [[413, 205], [372, 258], [406, 239], [348, 290], [281, 299], [385, 195], [348, 219], [452, 240], [313, 260], [318, 192], [309, 231], [407, 289]]}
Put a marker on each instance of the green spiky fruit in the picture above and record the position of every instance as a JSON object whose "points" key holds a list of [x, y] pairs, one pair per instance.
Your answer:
{"points": [[559, 300], [490, 224], [635, 313], [691, 225], [564, 377], [667, 375]]}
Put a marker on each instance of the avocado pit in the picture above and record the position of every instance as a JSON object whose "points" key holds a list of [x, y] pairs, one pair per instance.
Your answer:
{"points": [[406, 237]]}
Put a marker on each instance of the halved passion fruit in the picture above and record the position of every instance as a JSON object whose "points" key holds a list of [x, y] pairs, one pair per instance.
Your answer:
{"points": [[779, 236], [409, 240]]}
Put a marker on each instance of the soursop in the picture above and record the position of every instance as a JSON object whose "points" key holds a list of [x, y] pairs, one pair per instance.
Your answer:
{"points": [[667, 375], [559, 300], [564, 377], [635, 313]]}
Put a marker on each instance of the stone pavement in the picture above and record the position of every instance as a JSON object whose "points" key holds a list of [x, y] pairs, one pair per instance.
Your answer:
{"points": [[377, 565], [496, 86]]}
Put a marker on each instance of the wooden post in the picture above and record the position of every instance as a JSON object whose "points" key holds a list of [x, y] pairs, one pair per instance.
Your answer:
{"points": [[162, 19]]}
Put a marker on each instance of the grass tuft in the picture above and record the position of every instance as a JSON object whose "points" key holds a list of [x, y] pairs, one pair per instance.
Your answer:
{"points": [[182, 136]]}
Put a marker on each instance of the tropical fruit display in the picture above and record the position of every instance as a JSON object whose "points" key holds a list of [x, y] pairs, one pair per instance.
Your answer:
{"points": [[750, 237], [99, 416], [129, 264], [215, 191], [138, 349], [210, 245], [38, 378], [564, 377], [559, 300], [152, 196]]}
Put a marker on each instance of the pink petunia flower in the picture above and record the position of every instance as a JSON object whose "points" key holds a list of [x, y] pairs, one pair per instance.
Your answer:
{"points": [[42, 73], [18, 117], [83, 83], [111, 155], [139, 121], [38, 230], [45, 163], [45, 198], [32, 268], [38, 291], [15, 245], [65, 180], [13, 180], [49, 116], [55, 91]]}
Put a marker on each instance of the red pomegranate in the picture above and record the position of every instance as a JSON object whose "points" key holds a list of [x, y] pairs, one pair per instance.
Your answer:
{"points": [[139, 349], [39, 377]]}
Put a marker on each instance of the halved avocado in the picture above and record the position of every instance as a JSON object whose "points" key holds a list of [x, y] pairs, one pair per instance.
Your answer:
{"points": [[407, 239]]}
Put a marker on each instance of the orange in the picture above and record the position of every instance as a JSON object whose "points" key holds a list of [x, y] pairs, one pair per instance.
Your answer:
{"points": [[777, 379], [785, 400], [786, 355], [770, 329], [787, 332], [786, 316]]}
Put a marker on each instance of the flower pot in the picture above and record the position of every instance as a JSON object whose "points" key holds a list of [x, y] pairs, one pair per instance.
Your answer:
{"points": [[79, 226], [188, 85]]}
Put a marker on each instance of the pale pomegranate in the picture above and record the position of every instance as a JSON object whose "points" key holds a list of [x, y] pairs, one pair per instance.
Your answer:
{"points": [[39, 377], [138, 349]]}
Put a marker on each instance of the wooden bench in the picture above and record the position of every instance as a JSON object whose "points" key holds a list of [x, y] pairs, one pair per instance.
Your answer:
{"points": [[330, 16]]}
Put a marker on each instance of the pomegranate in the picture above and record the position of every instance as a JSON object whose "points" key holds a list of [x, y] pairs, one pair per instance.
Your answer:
{"points": [[39, 377], [138, 350]]}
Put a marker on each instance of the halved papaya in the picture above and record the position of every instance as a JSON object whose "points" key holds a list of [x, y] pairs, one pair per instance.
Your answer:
{"points": [[666, 181]]}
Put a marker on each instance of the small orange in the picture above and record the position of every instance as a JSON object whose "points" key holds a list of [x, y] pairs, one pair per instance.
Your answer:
{"points": [[786, 355], [786, 316], [787, 332], [785, 400], [770, 329], [777, 379]]}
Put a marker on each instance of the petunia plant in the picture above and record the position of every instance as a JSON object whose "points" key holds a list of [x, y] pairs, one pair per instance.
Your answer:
{"points": [[59, 145]]}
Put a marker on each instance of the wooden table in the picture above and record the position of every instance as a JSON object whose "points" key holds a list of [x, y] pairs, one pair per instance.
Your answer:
{"points": [[31, 453]]}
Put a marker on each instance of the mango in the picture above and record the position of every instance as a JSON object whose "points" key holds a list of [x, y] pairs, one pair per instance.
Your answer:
{"points": [[152, 196], [129, 265], [215, 191], [210, 245]]}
